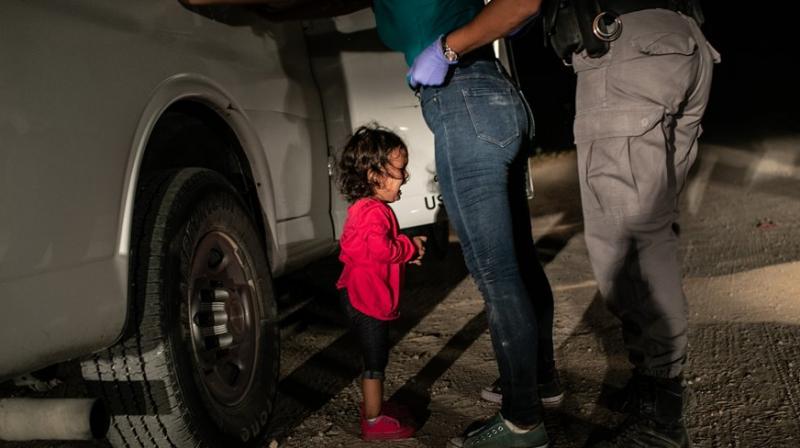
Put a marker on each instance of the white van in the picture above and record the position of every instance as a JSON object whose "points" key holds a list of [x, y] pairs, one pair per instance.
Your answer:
{"points": [[159, 166]]}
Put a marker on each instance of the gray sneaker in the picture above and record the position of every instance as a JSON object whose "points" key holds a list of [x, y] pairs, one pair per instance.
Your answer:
{"points": [[495, 433], [551, 393]]}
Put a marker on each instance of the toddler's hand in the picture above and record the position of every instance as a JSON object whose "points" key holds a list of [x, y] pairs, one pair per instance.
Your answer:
{"points": [[419, 242]]}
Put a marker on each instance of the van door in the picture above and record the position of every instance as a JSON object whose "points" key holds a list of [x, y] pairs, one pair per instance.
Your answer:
{"points": [[362, 81]]}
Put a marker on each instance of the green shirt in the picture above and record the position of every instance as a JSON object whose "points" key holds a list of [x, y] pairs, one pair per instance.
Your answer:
{"points": [[409, 26]]}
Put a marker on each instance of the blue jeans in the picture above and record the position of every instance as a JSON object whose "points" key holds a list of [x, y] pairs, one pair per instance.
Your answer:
{"points": [[481, 122]]}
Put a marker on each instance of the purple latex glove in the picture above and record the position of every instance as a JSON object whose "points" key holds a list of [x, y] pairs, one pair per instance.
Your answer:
{"points": [[429, 67], [522, 27]]}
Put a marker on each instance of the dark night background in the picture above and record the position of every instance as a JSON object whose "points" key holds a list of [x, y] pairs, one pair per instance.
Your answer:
{"points": [[754, 91]]}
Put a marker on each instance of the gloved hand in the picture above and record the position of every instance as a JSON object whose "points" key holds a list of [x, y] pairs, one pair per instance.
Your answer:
{"points": [[520, 29], [429, 67]]}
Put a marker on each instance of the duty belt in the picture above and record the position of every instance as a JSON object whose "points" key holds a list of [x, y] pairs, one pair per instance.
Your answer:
{"points": [[575, 25], [621, 7], [606, 25]]}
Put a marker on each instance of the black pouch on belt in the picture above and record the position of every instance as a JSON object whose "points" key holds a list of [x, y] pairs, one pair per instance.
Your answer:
{"points": [[569, 24], [568, 27]]}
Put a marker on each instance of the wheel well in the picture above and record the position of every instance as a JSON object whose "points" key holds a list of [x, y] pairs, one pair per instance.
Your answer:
{"points": [[191, 134]]}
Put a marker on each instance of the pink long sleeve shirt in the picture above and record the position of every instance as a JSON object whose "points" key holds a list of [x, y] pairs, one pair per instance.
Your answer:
{"points": [[374, 254]]}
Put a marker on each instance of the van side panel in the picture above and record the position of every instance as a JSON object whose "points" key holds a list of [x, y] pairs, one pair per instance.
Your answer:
{"points": [[76, 80]]}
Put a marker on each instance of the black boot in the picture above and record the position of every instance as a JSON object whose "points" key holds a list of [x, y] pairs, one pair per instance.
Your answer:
{"points": [[656, 416], [625, 400]]}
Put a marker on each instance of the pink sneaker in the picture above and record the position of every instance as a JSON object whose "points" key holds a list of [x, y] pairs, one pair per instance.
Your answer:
{"points": [[385, 428]]}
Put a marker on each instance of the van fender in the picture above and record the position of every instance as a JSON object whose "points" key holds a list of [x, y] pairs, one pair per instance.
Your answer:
{"points": [[205, 91]]}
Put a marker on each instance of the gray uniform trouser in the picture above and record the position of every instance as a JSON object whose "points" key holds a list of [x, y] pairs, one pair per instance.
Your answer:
{"points": [[638, 111]]}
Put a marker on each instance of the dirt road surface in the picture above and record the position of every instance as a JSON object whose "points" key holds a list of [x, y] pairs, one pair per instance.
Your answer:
{"points": [[741, 252]]}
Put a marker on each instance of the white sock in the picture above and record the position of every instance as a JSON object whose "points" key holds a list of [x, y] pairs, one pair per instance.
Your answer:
{"points": [[516, 429]]}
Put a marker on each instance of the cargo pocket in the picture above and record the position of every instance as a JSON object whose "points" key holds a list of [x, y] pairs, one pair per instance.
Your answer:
{"points": [[606, 122], [624, 160], [493, 113], [665, 43]]}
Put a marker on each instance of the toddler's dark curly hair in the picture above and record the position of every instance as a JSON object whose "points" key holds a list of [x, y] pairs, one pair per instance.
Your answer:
{"points": [[366, 151]]}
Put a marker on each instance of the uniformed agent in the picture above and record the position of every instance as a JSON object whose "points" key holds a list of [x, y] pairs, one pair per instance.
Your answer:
{"points": [[644, 74]]}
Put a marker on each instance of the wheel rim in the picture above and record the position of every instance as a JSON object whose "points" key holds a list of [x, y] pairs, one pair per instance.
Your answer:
{"points": [[224, 320]]}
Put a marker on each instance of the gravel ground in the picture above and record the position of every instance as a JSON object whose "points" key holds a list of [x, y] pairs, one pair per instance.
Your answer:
{"points": [[741, 251]]}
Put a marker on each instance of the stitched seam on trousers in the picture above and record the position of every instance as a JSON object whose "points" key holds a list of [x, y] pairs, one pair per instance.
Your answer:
{"points": [[586, 176], [482, 284], [687, 166], [632, 174], [452, 182]]}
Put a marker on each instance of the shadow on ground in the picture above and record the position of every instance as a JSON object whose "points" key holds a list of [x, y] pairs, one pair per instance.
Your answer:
{"points": [[327, 372], [743, 379], [330, 370]]}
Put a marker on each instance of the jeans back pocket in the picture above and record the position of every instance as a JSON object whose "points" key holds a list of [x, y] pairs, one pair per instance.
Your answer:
{"points": [[493, 113]]}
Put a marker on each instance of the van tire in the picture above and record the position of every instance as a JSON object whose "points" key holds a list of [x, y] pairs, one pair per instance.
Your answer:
{"points": [[198, 363]]}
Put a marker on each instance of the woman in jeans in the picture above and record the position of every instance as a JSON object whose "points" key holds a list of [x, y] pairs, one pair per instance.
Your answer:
{"points": [[482, 128]]}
